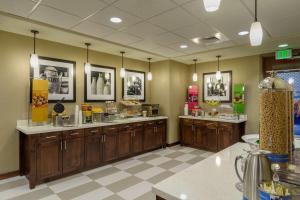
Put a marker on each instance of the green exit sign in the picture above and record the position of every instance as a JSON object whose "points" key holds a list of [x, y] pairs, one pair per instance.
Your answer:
{"points": [[283, 54]]}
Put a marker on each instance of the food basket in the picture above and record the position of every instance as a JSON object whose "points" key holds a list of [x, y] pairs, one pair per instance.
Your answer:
{"points": [[130, 108]]}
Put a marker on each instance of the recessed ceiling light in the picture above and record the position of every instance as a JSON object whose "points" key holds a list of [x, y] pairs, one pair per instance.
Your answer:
{"points": [[218, 35], [116, 20], [196, 40], [283, 45], [183, 46], [244, 33]]}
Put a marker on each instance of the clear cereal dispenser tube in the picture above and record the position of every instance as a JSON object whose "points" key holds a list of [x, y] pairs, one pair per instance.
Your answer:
{"points": [[276, 119]]}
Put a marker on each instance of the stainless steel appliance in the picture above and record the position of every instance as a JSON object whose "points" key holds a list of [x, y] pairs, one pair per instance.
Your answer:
{"points": [[152, 109], [257, 169]]}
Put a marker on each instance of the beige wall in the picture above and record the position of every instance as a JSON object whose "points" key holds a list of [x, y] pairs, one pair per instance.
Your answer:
{"points": [[245, 70], [168, 88], [14, 80]]}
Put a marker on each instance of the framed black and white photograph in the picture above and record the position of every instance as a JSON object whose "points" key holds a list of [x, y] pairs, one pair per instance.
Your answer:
{"points": [[217, 90], [100, 84], [61, 76], [134, 85]]}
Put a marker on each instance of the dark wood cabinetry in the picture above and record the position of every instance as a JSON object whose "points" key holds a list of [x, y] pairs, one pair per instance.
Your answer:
{"points": [[209, 135], [48, 156]]}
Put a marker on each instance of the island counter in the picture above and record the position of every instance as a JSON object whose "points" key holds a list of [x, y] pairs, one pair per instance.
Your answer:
{"points": [[213, 178]]}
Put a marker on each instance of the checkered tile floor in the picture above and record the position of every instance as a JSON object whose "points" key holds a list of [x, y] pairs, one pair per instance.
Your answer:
{"points": [[128, 179]]}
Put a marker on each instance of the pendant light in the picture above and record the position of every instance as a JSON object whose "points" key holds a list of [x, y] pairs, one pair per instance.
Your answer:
{"points": [[218, 73], [149, 76], [122, 70], [256, 32], [195, 76], [34, 58], [211, 5], [87, 66]]}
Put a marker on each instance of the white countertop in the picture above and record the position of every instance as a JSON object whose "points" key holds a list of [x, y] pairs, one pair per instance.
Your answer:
{"points": [[22, 125], [214, 119], [211, 179]]}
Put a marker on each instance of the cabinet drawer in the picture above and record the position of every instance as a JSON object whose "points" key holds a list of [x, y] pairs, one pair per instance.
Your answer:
{"points": [[187, 121], [159, 122], [50, 136], [125, 127], [110, 129], [226, 126], [150, 123], [138, 125], [92, 131], [73, 133], [200, 122], [211, 125]]}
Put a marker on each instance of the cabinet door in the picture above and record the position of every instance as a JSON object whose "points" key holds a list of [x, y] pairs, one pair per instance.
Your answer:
{"points": [[159, 134], [187, 132], [200, 136], [110, 143], [124, 141], [225, 137], [49, 158], [211, 136], [73, 154], [149, 136], [137, 139], [93, 150]]}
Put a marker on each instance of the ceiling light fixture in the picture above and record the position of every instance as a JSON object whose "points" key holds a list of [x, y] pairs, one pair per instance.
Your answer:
{"points": [[218, 73], [211, 5], [218, 35], [149, 76], [195, 76], [116, 20], [196, 40], [122, 70], [87, 65], [243, 33], [34, 58], [283, 45], [183, 46], [256, 32]]}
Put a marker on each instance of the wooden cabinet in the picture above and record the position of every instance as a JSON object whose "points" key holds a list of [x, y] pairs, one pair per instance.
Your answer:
{"points": [[48, 156], [110, 143], [209, 135], [93, 147], [124, 140], [137, 139], [149, 136], [187, 130]]}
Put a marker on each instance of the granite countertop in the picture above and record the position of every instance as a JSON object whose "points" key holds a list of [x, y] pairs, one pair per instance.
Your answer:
{"points": [[213, 178], [22, 125], [218, 119]]}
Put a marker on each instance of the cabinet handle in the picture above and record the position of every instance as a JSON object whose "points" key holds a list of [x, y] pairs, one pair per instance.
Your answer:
{"points": [[94, 131], [134, 133], [49, 137], [61, 145], [74, 134], [65, 144], [104, 138]]}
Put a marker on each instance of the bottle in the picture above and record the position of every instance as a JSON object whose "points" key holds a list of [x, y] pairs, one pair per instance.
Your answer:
{"points": [[94, 86], [186, 109], [100, 83], [80, 117]]}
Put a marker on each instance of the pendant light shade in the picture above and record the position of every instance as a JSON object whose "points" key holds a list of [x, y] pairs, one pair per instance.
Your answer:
{"points": [[122, 70], [87, 65], [149, 75], [218, 73], [211, 5], [195, 76], [34, 58], [256, 31]]}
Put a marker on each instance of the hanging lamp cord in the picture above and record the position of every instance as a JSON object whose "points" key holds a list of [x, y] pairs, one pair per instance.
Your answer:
{"points": [[34, 36], [255, 14], [149, 64], [195, 65]]}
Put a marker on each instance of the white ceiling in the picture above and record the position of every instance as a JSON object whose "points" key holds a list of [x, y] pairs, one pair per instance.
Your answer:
{"points": [[158, 27]]}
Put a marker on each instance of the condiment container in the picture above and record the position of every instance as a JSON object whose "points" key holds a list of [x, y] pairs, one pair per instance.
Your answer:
{"points": [[276, 118]]}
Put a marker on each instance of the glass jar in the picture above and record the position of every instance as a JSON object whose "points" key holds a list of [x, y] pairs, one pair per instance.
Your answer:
{"points": [[276, 120]]}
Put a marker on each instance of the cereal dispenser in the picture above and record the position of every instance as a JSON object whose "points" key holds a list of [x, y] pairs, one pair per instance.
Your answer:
{"points": [[276, 118]]}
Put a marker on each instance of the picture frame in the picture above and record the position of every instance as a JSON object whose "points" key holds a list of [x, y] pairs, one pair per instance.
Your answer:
{"points": [[135, 87], [214, 90], [61, 75], [100, 84]]}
